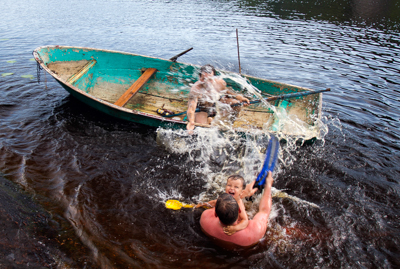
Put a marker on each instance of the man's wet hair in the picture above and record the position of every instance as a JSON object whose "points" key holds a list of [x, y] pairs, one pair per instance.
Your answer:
{"points": [[227, 209], [208, 68], [237, 177]]}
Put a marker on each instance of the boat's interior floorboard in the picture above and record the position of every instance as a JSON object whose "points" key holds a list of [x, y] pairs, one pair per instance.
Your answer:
{"points": [[149, 103], [250, 119], [107, 91], [66, 69]]}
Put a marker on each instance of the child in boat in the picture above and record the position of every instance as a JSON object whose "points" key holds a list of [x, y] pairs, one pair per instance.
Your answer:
{"points": [[235, 186], [204, 94]]}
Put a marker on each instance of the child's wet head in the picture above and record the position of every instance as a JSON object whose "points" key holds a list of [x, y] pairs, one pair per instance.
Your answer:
{"points": [[235, 186], [237, 177]]}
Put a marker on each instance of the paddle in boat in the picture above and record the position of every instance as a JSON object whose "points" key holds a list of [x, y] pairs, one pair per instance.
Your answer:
{"points": [[154, 91]]}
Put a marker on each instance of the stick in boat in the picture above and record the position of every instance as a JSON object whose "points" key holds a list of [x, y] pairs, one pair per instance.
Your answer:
{"points": [[179, 55], [237, 41]]}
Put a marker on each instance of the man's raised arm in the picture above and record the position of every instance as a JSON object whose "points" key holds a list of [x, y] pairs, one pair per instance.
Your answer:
{"points": [[266, 199]]}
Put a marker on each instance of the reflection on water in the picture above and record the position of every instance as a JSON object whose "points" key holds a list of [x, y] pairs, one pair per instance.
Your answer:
{"points": [[335, 202], [383, 14]]}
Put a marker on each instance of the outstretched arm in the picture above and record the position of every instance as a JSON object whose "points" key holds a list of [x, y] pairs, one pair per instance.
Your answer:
{"points": [[266, 200], [238, 96], [209, 204], [191, 113], [260, 221]]}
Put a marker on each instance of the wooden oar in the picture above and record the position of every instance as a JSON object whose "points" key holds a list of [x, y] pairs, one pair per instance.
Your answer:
{"points": [[179, 55], [293, 95], [286, 96], [273, 98], [176, 205]]}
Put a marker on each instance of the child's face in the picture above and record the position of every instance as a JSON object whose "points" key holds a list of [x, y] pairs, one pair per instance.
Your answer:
{"points": [[206, 75], [234, 188]]}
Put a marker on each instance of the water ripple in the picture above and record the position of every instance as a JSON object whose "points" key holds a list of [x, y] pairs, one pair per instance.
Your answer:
{"points": [[110, 178]]}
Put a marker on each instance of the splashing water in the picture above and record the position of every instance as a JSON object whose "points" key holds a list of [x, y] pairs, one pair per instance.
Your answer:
{"points": [[247, 87], [218, 154], [282, 123]]}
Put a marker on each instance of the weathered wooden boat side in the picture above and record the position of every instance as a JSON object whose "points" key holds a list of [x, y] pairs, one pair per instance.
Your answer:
{"points": [[100, 77]]}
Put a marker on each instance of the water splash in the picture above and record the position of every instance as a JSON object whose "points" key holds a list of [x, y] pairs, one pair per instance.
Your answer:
{"points": [[282, 123], [215, 153], [220, 151], [246, 87]]}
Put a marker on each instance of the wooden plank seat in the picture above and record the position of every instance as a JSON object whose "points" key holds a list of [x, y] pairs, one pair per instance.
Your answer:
{"points": [[136, 86], [74, 78]]}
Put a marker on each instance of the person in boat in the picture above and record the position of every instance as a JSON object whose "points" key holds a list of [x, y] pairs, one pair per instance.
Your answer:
{"points": [[204, 94], [235, 186], [214, 220]]}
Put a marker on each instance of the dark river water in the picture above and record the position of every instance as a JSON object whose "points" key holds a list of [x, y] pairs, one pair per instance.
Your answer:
{"points": [[82, 190]]}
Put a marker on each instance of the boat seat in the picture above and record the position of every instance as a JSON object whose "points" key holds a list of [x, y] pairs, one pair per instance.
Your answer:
{"points": [[136, 86], [72, 79]]}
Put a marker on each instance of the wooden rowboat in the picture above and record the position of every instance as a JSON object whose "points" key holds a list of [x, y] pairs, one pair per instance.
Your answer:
{"points": [[133, 87]]}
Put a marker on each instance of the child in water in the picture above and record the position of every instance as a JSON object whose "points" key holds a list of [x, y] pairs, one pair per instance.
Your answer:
{"points": [[235, 186]]}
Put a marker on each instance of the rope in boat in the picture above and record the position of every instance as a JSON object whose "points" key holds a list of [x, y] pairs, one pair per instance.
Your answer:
{"points": [[38, 68]]}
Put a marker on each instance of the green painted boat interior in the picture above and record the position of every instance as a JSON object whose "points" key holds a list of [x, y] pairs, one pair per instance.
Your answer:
{"points": [[105, 76]]}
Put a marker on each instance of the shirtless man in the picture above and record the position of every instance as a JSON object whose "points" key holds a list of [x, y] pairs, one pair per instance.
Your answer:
{"points": [[205, 93], [225, 213], [236, 187]]}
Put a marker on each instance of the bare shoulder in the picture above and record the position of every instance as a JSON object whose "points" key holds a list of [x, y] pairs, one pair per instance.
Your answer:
{"points": [[197, 85], [221, 82], [208, 213], [208, 219], [195, 90]]}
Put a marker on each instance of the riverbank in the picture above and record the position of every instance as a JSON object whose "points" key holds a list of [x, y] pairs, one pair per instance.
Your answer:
{"points": [[31, 237]]}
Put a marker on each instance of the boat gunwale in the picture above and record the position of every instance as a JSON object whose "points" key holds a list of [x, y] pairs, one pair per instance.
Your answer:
{"points": [[158, 58]]}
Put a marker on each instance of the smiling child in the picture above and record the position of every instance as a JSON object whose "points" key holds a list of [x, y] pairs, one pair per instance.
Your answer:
{"points": [[235, 186]]}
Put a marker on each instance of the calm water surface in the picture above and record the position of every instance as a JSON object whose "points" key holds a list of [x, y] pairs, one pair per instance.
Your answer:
{"points": [[102, 183]]}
